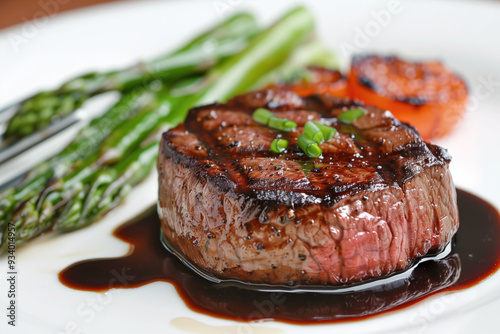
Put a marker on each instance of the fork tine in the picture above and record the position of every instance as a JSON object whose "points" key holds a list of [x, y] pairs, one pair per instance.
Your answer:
{"points": [[5, 114], [9, 149]]}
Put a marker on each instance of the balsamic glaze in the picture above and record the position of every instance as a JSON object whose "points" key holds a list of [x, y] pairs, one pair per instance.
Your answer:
{"points": [[474, 256]]}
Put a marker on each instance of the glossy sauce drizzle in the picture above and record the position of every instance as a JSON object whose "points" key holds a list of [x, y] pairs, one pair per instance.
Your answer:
{"points": [[475, 256]]}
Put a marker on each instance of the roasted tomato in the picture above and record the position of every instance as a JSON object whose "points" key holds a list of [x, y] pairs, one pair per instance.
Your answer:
{"points": [[426, 95], [320, 80]]}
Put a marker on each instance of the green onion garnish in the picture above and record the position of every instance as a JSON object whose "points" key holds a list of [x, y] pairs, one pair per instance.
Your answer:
{"points": [[279, 145], [282, 124], [313, 132], [351, 115], [262, 116], [309, 146], [328, 131]]}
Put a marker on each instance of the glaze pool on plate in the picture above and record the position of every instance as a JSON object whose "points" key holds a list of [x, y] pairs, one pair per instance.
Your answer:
{"points": [[475, 254], [104, 38]]}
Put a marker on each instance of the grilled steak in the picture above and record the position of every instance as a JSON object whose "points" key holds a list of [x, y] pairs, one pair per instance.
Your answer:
{"points": [[378, 198]]}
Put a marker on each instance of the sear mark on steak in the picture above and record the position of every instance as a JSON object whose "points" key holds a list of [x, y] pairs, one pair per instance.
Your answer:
{"points": [[377, 199]]}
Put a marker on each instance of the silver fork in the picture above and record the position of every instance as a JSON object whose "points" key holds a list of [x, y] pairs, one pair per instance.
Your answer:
{"points": [[11, 150]]}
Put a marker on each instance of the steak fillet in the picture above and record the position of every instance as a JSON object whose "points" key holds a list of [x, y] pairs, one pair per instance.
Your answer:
{"points": [[377, 199]]}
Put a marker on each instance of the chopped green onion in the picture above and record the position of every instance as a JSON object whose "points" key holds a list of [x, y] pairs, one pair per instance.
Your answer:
{"points": [[279, 145], [309, 146], [262, 116], [282, 124], [328, 131], [313, 132], [351, 115], [290, 125]]}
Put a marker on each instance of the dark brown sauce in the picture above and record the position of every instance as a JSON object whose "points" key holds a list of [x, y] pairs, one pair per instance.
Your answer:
{"points": [[475, 256]]}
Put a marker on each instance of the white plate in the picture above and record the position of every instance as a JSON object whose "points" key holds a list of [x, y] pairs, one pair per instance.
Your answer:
{"points": [[42, 54]]}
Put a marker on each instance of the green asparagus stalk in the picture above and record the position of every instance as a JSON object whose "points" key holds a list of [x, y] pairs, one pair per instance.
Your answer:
{"points": [[40, 208], [311, 53], [91, 136], [73, 204], [70, 215], [27, 222], [196, 56], [108, 188], [133, 131], [82, 146], [59, 191]]}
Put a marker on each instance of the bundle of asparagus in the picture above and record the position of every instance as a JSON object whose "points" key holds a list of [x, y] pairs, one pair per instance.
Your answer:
{"points": [[96, 171]]}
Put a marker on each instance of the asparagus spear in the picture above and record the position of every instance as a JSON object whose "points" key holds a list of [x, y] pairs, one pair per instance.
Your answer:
{"points": [[34, 216], [108, 189], [65, 185], [196, 56], [110, 185], [311, 53], [82, 146], [73, 167], [133, 131]]}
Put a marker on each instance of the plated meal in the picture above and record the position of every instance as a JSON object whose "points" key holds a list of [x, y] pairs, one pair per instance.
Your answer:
{"points": [[277, 173]]}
